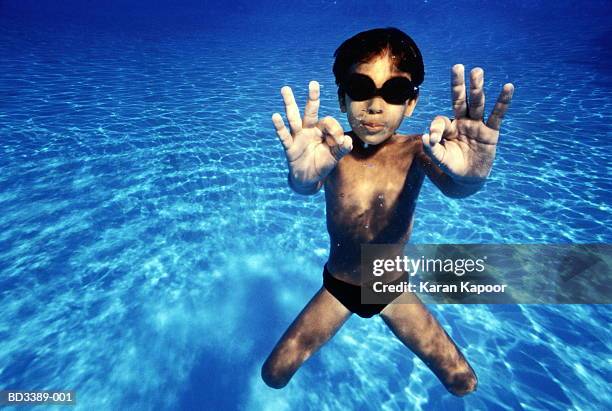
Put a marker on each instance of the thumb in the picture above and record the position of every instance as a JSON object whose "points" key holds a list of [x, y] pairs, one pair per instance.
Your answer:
{"points": [[343, 148], [347, 145], [435, 151], [332, 128]]}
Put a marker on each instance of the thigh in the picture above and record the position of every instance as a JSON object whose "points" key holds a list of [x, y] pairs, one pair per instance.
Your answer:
{"points": [[320, 319], [418, 329]]}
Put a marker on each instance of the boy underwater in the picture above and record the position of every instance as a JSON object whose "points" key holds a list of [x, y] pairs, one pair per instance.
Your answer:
{"points": [[372, 177]]}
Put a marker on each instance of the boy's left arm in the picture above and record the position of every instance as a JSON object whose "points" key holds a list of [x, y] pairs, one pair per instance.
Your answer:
{"points": [[458, 154]]}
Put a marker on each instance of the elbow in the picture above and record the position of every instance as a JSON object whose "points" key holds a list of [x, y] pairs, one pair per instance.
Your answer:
{"points": [[457, 195], [305, 192], [461, 191]]}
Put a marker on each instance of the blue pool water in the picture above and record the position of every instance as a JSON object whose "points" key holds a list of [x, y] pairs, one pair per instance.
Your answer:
{"points": [[151, 253]]}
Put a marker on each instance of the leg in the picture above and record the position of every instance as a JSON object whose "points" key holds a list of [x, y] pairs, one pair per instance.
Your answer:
{"points": [[314, 326], [414, 325]]}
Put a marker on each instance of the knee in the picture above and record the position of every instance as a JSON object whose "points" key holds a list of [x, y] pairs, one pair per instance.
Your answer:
{"points": [[273, 377], [463, 384]]}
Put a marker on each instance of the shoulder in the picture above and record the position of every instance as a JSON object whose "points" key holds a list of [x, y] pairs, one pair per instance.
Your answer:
{"points": [[406, 138], [413, 146], [409, 142]]}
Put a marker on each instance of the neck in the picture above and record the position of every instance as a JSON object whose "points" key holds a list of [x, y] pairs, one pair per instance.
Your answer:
{"points": [[364, 149]]}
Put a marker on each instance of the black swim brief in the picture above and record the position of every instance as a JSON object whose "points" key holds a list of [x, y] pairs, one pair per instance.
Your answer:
{"points": [[350, 295]]}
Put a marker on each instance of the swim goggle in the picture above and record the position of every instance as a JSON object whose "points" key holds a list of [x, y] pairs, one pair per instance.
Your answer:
{"points": [[396, 90]]}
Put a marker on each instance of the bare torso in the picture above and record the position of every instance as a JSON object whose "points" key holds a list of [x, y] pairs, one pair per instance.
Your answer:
{"points": [[370, 198]]}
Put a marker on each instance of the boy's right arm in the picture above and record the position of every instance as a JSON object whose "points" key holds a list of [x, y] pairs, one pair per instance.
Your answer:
{"points": [[312, 147], [304, 190]]}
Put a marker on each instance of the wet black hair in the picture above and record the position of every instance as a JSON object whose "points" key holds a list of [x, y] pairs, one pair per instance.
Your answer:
{"points": [[364, 46]]}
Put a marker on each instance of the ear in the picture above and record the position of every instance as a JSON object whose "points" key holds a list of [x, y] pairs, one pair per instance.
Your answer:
{"points": [[410, 106], [342, 101]]}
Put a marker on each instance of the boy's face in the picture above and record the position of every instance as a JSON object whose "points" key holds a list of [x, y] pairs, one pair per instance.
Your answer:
{"points": [[375, 120]]}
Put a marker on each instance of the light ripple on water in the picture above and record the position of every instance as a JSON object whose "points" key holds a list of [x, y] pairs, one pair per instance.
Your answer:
{"points": [[149, 243]]}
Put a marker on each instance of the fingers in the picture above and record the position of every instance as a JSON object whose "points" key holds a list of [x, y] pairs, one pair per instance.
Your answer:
{"points": [[477, 97], [339, 143], [440, 128], [291, 110], [475, 108], [283, 133], [311, 112], [332, 129], [458, 91], [437, 152], [501, 106], [345, 147]]}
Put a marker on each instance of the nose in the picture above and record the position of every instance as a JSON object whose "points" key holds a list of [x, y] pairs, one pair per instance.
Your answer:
{"points": [[375, 105]]}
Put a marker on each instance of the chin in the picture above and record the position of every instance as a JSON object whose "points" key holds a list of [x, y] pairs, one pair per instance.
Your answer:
{"points": [[373, 139]]}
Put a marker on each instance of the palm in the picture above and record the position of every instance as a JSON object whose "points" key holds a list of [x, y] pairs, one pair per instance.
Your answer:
{"points": [[309, 156], [470, 152], [312, 147], [465, 146]]}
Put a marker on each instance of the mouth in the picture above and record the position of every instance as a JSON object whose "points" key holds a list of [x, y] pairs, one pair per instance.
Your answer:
{"points": [[374, 127]]}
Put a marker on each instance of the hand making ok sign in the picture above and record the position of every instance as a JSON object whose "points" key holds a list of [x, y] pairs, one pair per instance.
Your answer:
{"points": [[312, 147], [464, 147]]}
